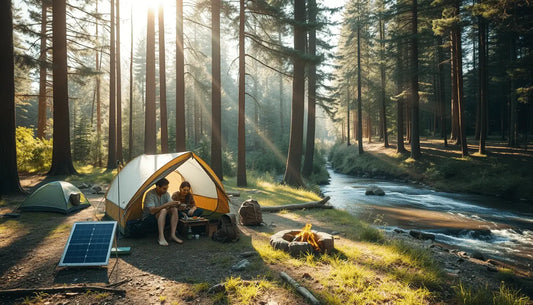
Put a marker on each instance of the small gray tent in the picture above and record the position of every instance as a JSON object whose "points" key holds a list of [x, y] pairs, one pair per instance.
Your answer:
{"points": [[56, 196]]}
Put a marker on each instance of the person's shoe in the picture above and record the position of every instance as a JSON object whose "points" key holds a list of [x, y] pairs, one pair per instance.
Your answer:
{"points": [[176, 239], [162, 242]]}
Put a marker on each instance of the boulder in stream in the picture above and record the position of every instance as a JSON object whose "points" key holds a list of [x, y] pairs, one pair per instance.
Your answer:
{"points": [[374, 190]]}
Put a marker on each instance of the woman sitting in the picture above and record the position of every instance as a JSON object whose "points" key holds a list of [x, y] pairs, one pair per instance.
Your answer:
{"points": [[187, 207]]}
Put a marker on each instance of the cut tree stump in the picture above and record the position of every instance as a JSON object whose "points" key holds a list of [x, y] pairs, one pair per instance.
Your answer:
{"points": [[298, 206]]}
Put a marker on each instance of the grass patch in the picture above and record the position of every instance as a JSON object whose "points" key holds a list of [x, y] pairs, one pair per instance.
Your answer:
{"points": [[246, 292], [468, 295], [267, 192], [91, 174]]}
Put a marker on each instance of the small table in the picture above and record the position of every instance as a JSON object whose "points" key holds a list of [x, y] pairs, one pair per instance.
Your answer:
{"points": [[185, 224]]}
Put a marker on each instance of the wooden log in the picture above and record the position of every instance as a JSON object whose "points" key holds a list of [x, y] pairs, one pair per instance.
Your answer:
{"points": [[298, 206], [19, 292], [302, 290]]}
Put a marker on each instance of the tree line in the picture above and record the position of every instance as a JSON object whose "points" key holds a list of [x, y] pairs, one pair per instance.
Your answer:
{"points": [[82, 76], [446, 68]]}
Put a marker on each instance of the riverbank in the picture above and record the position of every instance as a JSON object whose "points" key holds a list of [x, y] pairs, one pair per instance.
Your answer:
{"points": [[368, 265], [504, 172]]}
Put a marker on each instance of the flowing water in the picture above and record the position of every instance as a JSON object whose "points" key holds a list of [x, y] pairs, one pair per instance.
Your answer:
{"points": [[495, 227]]}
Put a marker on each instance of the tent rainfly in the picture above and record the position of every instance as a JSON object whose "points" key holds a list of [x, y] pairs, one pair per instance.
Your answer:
{"points": [[56, 196], [125, 197]]}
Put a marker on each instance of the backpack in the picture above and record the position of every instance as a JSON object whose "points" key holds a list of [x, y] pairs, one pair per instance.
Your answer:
{"points": [[250, 213], [227, 230]]}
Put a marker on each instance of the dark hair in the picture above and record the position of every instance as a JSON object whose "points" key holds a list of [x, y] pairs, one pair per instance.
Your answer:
{"points": [[185, 184], [162, 182]]}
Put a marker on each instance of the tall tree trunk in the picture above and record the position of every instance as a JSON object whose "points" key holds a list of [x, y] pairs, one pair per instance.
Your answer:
{"points": [[41, 121], [383, 107], [440, 88], [8, 152], [359, 102], [241, 132], [61, 154], [150, 132], [292, 169], [413, 82], [454, 106], [216, 115], [98, 68], [180, 80], [307, 169], [162, 82], [120, 156], [281, 103], [400, 146], [348, 102], [483, 83], [130, 127], [112, 139], [458, 71]]}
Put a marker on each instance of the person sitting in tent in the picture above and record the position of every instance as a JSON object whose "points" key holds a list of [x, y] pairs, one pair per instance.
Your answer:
{"points": [[188, 206], [157, 207]]}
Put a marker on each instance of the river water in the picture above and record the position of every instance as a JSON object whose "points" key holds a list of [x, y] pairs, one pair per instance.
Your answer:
{"points": [[497, 228]]}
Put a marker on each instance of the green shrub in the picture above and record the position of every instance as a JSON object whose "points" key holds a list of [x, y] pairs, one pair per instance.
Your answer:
{"points": [[33, 154]]}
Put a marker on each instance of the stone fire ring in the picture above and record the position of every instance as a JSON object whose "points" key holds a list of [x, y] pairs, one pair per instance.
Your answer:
{"points": [[283, 241]]}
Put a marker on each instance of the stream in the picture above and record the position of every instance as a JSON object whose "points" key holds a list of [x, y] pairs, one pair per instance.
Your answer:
{"points": [[495, 227]]}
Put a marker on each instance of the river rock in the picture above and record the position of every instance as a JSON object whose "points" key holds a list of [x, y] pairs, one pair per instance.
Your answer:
{"points": [[241, 265], [374, 190], [421, 235], [478, 255]]}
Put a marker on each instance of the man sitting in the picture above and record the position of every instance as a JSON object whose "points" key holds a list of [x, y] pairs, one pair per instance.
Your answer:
{"points": [[157, 207]]}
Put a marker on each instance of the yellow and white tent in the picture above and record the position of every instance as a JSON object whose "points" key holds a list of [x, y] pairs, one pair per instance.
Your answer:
{"points": [[124, 199]]}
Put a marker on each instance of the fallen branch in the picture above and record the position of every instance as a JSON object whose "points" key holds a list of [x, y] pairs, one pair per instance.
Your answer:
{"points": [[298, 206], [19, 292], [302, 290]]}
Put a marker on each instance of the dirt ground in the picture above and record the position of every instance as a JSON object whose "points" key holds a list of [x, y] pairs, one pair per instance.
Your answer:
{"points": [[153, 274]]}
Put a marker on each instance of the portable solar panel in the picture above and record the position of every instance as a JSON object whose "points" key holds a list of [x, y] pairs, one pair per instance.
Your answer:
{"points": [[89, 244]]}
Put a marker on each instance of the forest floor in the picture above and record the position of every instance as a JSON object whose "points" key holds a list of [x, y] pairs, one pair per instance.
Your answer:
{"points": [[379, 269]]}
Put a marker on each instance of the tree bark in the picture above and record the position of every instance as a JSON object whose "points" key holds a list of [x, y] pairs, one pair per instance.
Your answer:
{"points": [[180, 80], [311, 95], [216, 115], [359, 102], [61, 154], [8, 150], [150, 132], [98, 100], [41, 121], [454, 106], [440, 89], [483, 83], [348, 102], [292, 169], [162, 82], [383, 108], [413, 82], [120, 156], [130, 127], [458, 71], [112, 138], [241, 151]]}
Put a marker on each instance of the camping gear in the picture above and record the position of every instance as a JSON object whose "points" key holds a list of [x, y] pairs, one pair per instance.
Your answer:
{"points": [[227, 230], [56, 196], [250, 213], [125, 197]]}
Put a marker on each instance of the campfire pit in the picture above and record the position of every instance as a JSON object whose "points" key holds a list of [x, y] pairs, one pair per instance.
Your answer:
{"points": [[301, 241]]}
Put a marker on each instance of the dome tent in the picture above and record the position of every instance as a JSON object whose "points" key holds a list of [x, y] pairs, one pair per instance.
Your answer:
{"points": [[124, 199], [56, 196]]}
